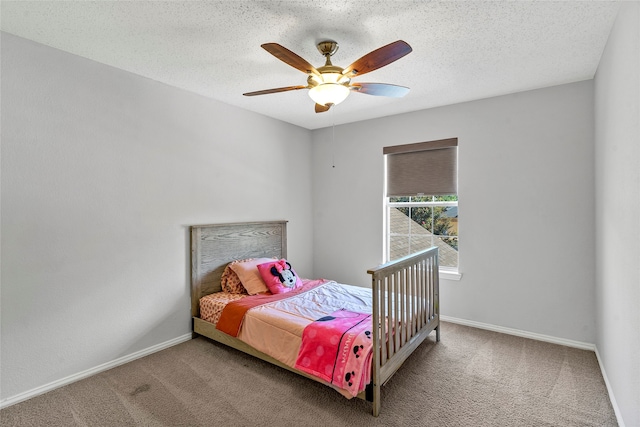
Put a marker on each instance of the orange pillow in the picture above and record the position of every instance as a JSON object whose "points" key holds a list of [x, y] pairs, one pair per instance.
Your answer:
{"points": [[249, 275]]}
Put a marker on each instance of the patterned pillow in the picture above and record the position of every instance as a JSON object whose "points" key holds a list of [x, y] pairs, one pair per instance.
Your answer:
{"points": [[230, 282], [279, 276]]}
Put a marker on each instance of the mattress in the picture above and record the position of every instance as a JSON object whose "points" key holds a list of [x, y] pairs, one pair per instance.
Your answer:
{"points": [[276, 328]]}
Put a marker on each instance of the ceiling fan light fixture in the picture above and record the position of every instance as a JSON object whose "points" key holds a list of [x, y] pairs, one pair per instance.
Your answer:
{"points": [[329, 93]]}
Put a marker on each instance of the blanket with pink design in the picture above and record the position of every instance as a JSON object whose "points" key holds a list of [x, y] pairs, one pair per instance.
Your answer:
{"points": [[338, 349]]}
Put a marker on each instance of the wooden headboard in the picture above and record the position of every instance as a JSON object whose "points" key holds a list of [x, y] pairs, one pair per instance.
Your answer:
{"points": [[214, 246]]}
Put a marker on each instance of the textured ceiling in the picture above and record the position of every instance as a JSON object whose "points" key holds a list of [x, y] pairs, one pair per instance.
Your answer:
{"points": [[462, 50]]}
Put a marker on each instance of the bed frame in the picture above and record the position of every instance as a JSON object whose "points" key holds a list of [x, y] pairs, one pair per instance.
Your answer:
{"points": [[405, 293]]}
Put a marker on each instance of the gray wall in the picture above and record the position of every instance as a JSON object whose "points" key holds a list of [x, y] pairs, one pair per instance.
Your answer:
{"points": [[617, 142], [102, 173], [526, 206]]}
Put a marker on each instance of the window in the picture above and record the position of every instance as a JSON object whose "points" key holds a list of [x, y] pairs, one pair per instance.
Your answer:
{"points": [[417, 223], [421, 208]]}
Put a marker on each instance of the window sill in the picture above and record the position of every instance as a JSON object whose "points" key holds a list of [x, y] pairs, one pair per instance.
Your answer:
{"points": [[450, 275]]}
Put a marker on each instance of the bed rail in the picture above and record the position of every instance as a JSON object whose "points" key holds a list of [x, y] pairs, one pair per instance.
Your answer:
{"points": [[406, 306]]}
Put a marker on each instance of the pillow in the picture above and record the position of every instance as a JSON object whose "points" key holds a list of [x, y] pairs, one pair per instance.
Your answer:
{"points": [[279, 276], [249, 275], [230, 282]]}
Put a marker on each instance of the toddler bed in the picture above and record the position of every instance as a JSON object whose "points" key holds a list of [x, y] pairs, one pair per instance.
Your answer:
{"points": [[403, 301]]}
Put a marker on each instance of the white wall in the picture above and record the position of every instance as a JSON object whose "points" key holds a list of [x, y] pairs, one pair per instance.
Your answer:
{"points": [[102, 173], [526, 206], [617, 148]]}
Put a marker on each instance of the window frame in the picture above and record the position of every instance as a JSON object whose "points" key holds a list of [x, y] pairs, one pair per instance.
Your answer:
{"points": [[446, 272]]}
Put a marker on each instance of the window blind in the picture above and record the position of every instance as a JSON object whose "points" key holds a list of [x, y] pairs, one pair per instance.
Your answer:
{"points": [[422, 168]]}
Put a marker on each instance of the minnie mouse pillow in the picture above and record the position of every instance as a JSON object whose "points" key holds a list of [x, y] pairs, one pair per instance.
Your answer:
{"points": [[279, 276]]}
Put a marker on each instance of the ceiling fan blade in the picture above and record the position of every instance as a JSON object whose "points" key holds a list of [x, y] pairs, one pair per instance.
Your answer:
{"points": [[381, 89], [285, 55], [322, 108], [276, 90], [378, 58]]}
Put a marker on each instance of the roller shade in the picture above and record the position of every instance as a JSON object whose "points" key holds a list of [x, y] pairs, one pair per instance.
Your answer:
{"points": [[422, 168]]}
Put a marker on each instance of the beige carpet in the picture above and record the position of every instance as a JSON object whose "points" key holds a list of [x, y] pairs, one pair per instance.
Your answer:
{"points": [[471, 378]]}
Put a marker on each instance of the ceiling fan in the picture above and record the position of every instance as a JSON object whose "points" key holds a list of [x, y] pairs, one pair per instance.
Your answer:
{"points": [[330, 85]]}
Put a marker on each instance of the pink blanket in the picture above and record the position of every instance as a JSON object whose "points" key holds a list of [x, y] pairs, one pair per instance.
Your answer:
{"points": [[233, 313], [338, 349]]}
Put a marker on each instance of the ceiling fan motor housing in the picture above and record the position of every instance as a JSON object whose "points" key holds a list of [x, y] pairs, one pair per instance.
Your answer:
{"points": [[329, 74], [327, 47]]}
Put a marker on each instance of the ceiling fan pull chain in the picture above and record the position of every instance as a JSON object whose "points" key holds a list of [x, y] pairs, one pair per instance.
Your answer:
{"points": [[333, 138]]}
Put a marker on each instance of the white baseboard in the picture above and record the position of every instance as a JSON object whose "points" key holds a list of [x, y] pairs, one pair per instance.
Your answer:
{"points": [[616, 409], [89, 372], [519, 333]]}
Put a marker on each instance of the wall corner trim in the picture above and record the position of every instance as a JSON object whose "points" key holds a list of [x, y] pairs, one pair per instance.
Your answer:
{"points": [[612, 398]]}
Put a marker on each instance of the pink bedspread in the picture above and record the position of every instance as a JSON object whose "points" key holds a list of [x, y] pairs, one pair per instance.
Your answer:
{"points": [[338, 349], [234, 312]]}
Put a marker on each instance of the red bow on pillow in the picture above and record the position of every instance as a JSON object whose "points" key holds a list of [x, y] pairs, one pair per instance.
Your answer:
{"points": [[280, 265]]}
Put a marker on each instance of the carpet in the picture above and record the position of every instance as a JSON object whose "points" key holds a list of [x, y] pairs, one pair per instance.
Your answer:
{"points": [[473, 377]]}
